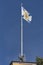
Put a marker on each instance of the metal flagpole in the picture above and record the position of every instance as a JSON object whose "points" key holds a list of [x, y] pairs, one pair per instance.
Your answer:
{"points": [[21, 33], [21, 56]]}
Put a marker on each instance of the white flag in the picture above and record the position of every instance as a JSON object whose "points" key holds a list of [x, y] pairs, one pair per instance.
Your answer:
{"points": [[26, 15]]}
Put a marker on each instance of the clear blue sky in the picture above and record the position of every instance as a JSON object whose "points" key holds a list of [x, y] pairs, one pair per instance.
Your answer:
{"points": [[10, 30]]}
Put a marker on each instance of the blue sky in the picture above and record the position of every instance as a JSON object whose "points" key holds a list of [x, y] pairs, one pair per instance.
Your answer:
{"points": [[10, 30]]}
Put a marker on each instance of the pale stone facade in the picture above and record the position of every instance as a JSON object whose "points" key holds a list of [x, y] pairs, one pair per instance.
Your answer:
{"points": [[23, 63]]}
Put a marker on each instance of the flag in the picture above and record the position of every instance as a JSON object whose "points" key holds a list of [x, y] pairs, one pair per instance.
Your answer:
{"points": [[26, 15]]}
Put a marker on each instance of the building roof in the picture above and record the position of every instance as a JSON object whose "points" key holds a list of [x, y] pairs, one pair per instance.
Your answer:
{"points": [[21, 62]]}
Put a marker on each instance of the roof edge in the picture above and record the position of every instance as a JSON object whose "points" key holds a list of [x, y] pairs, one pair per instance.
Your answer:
{"points": [[21, 62]]}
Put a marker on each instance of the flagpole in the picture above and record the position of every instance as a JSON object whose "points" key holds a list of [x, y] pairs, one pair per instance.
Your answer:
{"points": [[21, 55], [21, 33]]}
